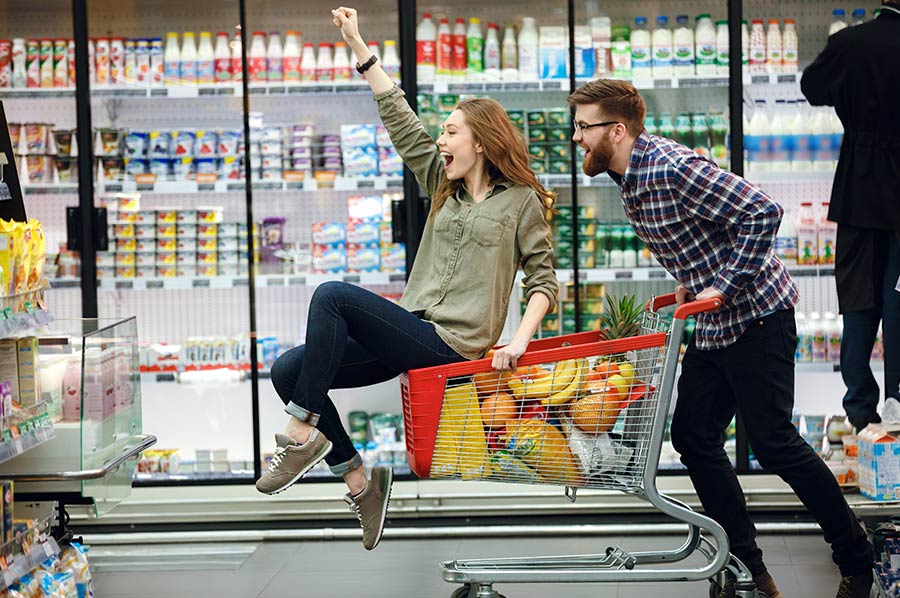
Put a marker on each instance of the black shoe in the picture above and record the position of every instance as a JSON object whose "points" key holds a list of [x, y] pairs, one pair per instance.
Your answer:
{"points": [[856, 586]]}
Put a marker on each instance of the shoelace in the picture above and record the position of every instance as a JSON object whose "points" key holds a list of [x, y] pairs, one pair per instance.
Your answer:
{"points": [[355, 508], [277, 458]]}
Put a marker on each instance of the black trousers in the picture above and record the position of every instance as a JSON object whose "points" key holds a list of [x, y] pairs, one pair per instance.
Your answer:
{"points": [[755, 377]]}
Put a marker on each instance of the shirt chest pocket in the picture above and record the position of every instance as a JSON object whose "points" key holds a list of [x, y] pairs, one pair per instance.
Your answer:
{"points": [[488, 230]]}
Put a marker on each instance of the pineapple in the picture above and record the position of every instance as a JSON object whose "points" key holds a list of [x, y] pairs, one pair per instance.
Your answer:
{"points": [[622, 317]]}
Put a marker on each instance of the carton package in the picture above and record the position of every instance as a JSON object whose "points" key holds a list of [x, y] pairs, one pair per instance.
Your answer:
{"points": [[879, 461], [9, 370]]}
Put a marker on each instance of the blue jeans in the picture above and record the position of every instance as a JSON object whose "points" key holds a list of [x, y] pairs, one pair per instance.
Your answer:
{"points": [[354, 338], [861, 328]]}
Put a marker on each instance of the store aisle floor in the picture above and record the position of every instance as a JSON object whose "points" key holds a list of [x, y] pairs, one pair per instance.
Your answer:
{"points": [[801, 565]]}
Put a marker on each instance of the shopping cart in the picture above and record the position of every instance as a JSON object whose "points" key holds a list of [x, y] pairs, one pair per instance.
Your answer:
{"points": [[579, 413]]}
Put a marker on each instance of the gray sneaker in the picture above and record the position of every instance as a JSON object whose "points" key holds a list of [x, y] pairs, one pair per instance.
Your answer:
{"points": [[372, 504], [291, 461]]}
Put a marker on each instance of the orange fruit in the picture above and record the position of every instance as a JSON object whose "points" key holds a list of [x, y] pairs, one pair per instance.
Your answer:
{"points": [[497, 409], [606, 368]]}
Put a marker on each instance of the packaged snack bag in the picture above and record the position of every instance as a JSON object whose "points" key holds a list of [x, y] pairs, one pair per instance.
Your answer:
{"points": [[544, 448], [461, 446]]}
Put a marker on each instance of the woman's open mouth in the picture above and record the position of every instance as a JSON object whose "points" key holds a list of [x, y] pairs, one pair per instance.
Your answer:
{"points": [[448, 159]]}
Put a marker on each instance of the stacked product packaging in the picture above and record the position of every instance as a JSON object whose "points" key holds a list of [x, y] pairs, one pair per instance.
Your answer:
{"points": [[362, 243]]}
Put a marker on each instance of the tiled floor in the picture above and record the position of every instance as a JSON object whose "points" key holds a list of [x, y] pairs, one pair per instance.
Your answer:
{"points": [[800, 564]]}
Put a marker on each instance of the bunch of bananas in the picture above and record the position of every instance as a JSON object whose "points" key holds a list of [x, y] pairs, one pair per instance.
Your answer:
{"points": [[557, 388]]}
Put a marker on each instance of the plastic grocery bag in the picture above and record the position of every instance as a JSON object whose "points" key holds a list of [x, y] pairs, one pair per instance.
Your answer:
{"points": [[461, 447]]}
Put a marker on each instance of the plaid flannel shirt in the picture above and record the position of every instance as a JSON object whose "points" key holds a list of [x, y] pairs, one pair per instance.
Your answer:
{"points": [[708, 228]]}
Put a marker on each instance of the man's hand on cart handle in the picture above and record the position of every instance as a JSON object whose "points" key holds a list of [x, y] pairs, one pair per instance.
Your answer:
{"points": [[682, 295], [506, 358]]}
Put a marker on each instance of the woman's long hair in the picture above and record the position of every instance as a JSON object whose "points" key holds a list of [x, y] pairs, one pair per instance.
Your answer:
{"points": [[505, 154]]}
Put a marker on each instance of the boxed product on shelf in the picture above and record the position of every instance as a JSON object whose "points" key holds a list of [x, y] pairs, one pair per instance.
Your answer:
{"points": [[6, 511], [393, 258], [363, 257], [329, 259], [329, 233], [879, 453], [28, 371], [9, 369]]}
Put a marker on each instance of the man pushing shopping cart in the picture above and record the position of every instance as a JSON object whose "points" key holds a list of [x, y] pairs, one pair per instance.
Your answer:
{"points": [[584, 411]]}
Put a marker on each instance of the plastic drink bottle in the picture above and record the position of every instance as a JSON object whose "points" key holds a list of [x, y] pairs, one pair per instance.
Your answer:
{"points": [[474, 50], [722, 47], [492, 53], [237, 65], [308, 63], [290, 58], [786, 240], [324, 64], [222, 66], [801, 133], [839, 22], [426, 47], [790, 55], [859, 16], [528, 50], [807, 236], [705, 43], [774, 55], [391, 60], [780, 160], [275, 58], [460, 60], [641, 50], [257, 61], [683, 51], [827, 237], [172, 59], [206, 60], [758, 139], [745, 48], [757, 47], [341, 62], [189, 59], [444, 66], [662, 48], [821, 141], [509, 55]]}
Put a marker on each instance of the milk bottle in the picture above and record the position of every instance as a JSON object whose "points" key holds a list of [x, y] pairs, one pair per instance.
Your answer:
{"points": [[786, 240], [859, 17], [803, 353], [683, 48], [774, 47], [325, 63], [237, 66], [781, 139], [341, 63], [662, 48], [308, 63], [206, 60], [837, 136], [757, 47], [189, 59], [705, 44], [492, 56], [222, 59], [172, 59], [601, 36], [801, 133], [528, 50], [257, 62], [789, 50], [820, 141], [641, 49], [722, 49], [391, 60], [839, 22], [758, 139], [275, 58], [290, 60], [509, 55]]}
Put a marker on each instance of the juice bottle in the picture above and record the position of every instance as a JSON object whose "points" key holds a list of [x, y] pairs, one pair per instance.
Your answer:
{"points": [[426, 42], [789, 40], [444, 66], [474, 50], [460, 60], [237, 65], [774, 57], [222, 59], [290, 59], [257, 61], [757, 47]]}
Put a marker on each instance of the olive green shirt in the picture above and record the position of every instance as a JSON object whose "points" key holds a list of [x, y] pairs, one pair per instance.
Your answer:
{"points": [[470, 252]]}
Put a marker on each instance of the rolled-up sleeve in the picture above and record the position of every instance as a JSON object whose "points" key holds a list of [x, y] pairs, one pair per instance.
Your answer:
{"points": [[532, 237], [413, 144]]}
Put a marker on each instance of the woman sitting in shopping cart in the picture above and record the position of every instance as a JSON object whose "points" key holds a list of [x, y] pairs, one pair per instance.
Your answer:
{"points": [[488, 217]]}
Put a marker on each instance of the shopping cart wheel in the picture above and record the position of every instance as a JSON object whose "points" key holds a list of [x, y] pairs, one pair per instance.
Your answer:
{"points": [[469, 591]]}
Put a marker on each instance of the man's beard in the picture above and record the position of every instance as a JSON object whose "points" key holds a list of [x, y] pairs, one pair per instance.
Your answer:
{"points": [[597, 161]]}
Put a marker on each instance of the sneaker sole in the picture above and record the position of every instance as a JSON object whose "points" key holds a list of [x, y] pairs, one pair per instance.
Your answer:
{"points": [[390, 486], [326, 448]]}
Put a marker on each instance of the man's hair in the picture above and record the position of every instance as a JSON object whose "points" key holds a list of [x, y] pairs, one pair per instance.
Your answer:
{"points": [[619, 100]]}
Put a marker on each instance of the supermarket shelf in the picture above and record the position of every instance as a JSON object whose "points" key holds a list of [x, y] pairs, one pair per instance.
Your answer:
{"points": [[192, 91], [809, 176], [562, 85], [772, 78], [401, 473], [187, 187], [831, 367], [20, 564], [23, 430], [230, 282]]}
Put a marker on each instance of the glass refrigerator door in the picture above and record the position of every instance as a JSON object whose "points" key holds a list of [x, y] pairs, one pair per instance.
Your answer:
{"points": [[791, 152], [37, 91], [325, 177], [676, 55], [167, 117]]}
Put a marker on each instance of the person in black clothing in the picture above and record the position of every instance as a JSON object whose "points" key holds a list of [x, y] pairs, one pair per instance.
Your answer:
{"points": [[858, 73]]}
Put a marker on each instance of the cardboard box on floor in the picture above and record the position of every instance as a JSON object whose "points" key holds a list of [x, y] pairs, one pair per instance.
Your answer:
{"points": [[879, 461]]}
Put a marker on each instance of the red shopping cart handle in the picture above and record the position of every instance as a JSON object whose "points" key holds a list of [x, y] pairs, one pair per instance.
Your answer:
{"points": [[687, 309]]}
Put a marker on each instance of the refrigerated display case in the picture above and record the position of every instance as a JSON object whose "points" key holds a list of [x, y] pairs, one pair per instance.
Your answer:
{"points": [[325, 199]]}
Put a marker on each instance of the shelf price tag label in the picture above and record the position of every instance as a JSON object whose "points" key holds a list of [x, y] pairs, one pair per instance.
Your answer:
{"points": [[310, 184], [184, 91], [441, 87]]}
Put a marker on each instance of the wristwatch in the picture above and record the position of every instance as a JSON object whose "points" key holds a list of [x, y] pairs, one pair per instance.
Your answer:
{"points": [[362, 68]]}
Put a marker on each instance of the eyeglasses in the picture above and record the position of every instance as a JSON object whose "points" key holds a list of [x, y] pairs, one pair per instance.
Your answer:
{"points": [[584, 128]]}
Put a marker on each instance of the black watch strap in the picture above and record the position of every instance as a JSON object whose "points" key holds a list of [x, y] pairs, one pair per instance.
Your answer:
{"points": [[362, 68]]}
